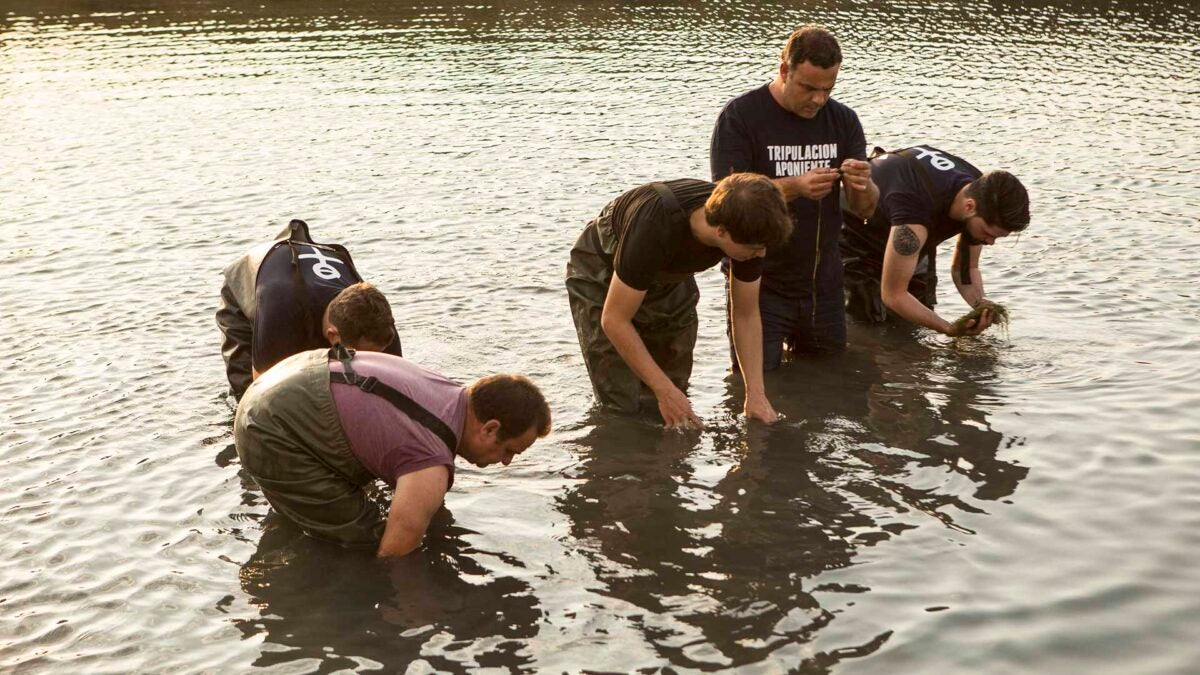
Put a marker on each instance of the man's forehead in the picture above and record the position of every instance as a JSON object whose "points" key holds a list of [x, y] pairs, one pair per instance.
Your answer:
{"points": [[806, 73]]}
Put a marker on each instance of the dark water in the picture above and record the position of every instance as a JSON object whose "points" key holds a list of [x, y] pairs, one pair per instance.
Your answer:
{"points": [[1000, 506]]}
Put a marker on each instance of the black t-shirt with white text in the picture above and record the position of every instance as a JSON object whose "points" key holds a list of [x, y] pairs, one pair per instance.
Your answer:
{"points": [[755, 133], [657, 244], [906, 197]]}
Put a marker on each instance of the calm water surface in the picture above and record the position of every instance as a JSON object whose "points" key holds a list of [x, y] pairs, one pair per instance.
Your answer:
{"points": [[993, 506]]}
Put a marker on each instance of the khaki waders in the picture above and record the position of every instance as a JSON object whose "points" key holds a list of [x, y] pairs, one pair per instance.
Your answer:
{"points": [[666, 321]]}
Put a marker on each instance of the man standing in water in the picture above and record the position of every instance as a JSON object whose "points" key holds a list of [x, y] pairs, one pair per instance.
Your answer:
{"points": [[926, 197], [633, 295], [791, 130], [321, 426]]}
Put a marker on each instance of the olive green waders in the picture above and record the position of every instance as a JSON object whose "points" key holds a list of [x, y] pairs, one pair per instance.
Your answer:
{"points": [[666, 322], [290, 439]]}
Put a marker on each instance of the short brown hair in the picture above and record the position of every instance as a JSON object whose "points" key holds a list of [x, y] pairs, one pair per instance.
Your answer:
{"points": [[361, 313], [751, 209], [512, 400], [814, 44]]}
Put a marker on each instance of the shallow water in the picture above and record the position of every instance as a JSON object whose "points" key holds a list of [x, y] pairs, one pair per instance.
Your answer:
{"points": [[988, 506]]}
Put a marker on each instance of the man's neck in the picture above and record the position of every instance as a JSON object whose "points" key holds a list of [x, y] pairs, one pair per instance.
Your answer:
{"points": [[703, 232], [958, 206], [776, 89]]}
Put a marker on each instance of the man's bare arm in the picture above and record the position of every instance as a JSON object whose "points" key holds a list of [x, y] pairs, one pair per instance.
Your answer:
{"points": [[747, 341], [972, 292], [620, 307], [418, 496]]}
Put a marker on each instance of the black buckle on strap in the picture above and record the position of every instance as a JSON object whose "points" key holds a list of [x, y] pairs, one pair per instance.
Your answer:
{"points": [[368, 383]]}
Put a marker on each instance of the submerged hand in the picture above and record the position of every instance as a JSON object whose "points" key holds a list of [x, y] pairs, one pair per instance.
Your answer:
{"points": [[759, 408], [676, 410]]}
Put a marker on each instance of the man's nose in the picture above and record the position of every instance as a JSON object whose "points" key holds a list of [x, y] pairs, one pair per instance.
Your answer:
{"points": [[821, 97], [507, 460]]}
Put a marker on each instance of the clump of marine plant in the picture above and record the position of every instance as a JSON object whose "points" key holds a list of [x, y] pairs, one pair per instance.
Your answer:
{"points": [[999, 316]]}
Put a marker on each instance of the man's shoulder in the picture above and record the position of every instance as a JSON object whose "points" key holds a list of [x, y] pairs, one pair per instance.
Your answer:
{"points": [[840, 111], [746, 101]]}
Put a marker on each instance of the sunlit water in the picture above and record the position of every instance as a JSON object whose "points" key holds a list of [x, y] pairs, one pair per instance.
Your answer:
{"points": [[999, 506]]}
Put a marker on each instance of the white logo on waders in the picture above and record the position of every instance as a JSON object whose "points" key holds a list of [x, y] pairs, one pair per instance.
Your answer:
{"points": [[936, 160], [323, 269]]}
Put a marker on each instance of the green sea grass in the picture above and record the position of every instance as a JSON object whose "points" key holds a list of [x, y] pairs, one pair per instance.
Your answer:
{"points": [[999, 316]]}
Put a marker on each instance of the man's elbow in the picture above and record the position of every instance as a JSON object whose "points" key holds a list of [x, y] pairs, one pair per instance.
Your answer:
{"points": [[397, 549], [890, 297], [609, 324]]}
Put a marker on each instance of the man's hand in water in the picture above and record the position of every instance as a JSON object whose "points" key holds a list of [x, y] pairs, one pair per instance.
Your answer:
{"points": [[677, 410], [759, 408]]}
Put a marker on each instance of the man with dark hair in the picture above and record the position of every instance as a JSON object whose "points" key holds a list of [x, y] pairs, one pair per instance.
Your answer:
{"points": [[633, 295], [813, 147], [322, 426], [926, 196], [273, 301]]}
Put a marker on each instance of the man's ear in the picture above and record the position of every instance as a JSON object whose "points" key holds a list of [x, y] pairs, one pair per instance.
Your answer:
{"points": [[783, 70], [332, 334], [490, 428], [722, 233], [969, 207]]}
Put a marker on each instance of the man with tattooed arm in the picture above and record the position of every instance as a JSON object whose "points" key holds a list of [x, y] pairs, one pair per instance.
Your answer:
{"points": [[926, 196]]}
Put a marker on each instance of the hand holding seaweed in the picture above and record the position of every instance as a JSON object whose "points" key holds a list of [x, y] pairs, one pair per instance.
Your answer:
{"points": [[982, 315]]}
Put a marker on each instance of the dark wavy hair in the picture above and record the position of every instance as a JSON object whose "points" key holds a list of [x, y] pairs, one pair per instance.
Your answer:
{"points": [[751, 208], [1001, 200]]}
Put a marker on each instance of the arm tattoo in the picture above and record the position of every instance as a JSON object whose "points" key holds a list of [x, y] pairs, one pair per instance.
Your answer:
{"points": [[905, 241]]}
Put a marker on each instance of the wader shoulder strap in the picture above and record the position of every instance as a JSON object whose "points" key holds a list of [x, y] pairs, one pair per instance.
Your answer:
{"points": [[669, 201], [415, 411]]}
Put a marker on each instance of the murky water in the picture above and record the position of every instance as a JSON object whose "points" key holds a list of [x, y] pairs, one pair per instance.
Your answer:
{"points": [[1023, 506]]}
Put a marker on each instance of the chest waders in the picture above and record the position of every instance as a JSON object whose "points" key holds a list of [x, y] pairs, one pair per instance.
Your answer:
{"points": [[666, 321], [290, 439]]}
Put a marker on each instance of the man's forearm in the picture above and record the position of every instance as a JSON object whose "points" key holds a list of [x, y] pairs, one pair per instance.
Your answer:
{"points": [[909, 308], [790, 186], [973, 292], [747, 342], [398, 541], [862, 203], [633, 350]]}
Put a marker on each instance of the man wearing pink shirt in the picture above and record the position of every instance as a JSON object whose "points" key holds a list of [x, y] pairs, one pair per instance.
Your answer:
{"points": [[320, 427]]}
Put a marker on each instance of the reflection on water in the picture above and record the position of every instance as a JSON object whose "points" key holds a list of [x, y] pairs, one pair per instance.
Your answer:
{"points": [[986, 506], [723, 538], [336, 609]]}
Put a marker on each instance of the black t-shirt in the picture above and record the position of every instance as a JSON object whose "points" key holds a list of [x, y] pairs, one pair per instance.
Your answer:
{"points": [[656, 243], [755, 133], [906, 197], [288, 313]]}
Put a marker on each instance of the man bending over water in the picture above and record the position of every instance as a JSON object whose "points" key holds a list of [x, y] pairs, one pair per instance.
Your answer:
{"points": [[926, 196], [322, 425], [633, 295], [273, 299]]}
